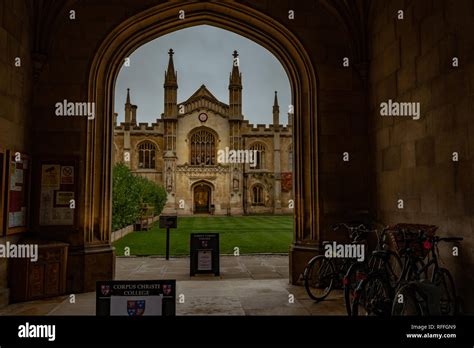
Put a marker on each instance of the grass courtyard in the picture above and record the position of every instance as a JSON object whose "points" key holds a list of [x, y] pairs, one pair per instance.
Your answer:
{"points": [[251, 234]]}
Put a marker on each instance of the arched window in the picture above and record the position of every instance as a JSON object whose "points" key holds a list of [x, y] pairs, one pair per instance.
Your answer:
{"points": [[146, 155], [260, 155], [203, 148], [290, 157], [257, 195]]}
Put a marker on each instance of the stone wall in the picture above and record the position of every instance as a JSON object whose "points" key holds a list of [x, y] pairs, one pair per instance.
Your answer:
{"points": [[412, 61], [15, 95]]}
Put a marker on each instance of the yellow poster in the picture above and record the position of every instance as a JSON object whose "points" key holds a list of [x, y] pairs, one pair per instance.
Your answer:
{"points": [[64, 197], [50, 176]]}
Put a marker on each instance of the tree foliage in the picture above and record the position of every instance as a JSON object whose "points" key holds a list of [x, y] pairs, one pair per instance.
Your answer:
{"points": [[130, 194]]}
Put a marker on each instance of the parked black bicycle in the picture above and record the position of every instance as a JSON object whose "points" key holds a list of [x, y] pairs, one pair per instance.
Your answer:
{"points": [[434, 297], [382, 260], [322, 274], [414, 293]]}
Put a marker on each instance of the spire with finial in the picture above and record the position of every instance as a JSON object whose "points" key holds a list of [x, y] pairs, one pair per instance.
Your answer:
{"points": [[235, 75], [171, 74], [171, 89], [128, 96], [235, 89], [276, 111], [128, 108]]}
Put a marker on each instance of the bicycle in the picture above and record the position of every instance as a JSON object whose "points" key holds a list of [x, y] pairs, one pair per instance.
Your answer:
{"points": [[322, 273], [381, 259], [437, 297], [374, 295]]}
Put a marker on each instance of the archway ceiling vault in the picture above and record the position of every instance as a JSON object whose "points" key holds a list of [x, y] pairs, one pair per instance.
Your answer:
{"points": [[355, 16], [46, 17]]}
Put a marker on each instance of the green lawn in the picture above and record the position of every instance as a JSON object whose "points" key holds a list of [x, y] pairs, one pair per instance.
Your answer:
{"points": [[251, 234]]}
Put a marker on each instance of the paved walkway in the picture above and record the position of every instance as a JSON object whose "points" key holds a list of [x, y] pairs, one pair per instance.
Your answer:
{"points": [[248, 285]]}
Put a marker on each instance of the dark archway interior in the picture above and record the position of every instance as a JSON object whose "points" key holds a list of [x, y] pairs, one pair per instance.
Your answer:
{"points": [[390, 159]]}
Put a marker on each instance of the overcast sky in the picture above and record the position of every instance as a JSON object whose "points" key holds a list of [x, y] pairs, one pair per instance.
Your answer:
{"points": [[203, 55]]}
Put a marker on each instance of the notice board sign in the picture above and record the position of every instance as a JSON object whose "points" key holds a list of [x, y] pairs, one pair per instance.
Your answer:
{"points": [[136, 298], [58, 193], [18, 192], [168, 221], [204, 253]]}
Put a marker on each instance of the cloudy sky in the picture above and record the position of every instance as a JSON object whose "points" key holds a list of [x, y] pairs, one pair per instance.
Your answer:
{"points": [[203, 55]]}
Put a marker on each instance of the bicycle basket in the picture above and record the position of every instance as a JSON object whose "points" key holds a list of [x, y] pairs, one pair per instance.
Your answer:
{"points": [[411, 237]]}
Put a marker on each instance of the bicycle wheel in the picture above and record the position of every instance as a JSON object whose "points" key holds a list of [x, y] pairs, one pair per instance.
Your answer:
{"points": [[448, 302], [372, 297], [388, 263], [355, 274], [406, 302], [319, 277]]}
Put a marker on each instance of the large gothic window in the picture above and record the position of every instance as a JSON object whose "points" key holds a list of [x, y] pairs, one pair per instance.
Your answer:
{"points": [[260, 153], [257, 195], [203, 148], [146, 155]]}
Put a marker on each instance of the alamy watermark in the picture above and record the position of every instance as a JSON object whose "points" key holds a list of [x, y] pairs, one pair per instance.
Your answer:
{"points": [[28, 330], [349, 251], [237, 156], [67, 108], [394, 108], [23, 251]]}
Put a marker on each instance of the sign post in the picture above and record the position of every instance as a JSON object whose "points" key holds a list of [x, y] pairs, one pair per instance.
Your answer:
{"points": [[168, 221], [204, 253]]}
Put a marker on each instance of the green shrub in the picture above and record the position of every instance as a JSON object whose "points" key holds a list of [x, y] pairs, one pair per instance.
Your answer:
{"points": [[129, 195], [152, 194]]}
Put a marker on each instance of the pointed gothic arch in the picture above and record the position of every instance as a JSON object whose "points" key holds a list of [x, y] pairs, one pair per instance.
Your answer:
{"points": [[202, 146], [240, 19]]}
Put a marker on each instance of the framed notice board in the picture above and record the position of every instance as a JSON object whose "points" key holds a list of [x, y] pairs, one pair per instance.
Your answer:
{"points": [[2, 191], [58, 192], [16, 212]]}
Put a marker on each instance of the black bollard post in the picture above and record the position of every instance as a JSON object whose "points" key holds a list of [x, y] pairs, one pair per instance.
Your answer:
{"points": [[168, 243]]}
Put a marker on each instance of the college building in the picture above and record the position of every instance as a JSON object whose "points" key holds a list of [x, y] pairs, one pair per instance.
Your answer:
{"points": [[206, 155]]}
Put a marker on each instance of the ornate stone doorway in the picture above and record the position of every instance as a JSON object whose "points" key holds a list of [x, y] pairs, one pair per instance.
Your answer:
{"points": [[202, 199]]}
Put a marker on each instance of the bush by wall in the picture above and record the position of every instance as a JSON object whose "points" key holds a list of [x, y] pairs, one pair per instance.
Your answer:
{"points": [[130, 193]]}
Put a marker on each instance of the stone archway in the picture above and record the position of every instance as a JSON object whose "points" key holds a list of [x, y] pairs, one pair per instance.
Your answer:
{"points": [[240, 19]]}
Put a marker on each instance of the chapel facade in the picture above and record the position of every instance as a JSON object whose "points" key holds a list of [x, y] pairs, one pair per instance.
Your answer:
{"points": [[183, 151]]}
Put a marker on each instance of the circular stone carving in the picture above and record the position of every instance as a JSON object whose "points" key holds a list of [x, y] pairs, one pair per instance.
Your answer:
{"points": [[203, 117]]}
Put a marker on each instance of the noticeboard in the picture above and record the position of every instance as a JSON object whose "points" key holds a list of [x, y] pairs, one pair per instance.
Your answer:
{"points": [[168, 221], [204, 253], [136, 298], [17, 192], [58, 192]]}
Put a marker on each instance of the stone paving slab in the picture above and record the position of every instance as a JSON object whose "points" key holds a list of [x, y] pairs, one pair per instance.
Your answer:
{"points": [[248, 285]]}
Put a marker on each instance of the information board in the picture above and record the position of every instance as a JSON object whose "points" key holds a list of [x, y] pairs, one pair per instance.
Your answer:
{"points": [[204, 253], [18, 195], [136, 298], [168, 221], [58, 193]]}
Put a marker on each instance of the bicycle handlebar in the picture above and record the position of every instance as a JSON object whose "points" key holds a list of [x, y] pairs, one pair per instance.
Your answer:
{"points": [[350, 228]]}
